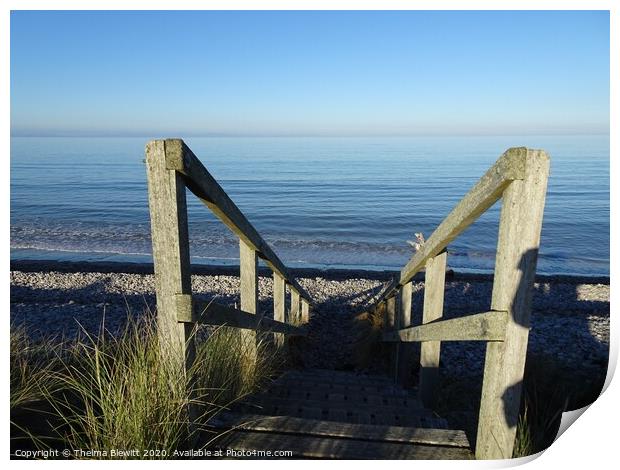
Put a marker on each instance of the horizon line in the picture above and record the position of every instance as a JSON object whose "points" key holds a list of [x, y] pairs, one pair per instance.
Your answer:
{"points": [[313, 135]]}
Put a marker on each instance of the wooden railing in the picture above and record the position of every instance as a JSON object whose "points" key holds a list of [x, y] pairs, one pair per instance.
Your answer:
{"points": [[172, 167], [519, 178]]}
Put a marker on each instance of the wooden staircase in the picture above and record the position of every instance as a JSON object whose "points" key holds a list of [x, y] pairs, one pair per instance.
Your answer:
{"points": [[339, 415]]}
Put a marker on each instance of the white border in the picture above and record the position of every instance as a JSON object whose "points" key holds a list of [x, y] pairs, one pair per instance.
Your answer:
{"points": [[592, 441]]}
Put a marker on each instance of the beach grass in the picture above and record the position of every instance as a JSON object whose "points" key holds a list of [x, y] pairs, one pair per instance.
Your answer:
{"points": [[538, 423], [123, 391], [548, 391], [31, 366]]}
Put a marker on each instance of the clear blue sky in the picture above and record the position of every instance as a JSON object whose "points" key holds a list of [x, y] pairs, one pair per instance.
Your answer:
{"points": [[309, 73]]}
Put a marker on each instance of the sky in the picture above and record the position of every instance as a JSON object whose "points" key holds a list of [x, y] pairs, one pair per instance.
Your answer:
{"points": [[329, 73]]}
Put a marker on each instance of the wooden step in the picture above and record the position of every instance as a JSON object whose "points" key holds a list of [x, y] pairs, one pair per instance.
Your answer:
{"points": [[335, 410], [337, 373], [351, 396], [340, 378], [304, 446], [330, 414], [310, 427], [388, 389], [336, 400]]}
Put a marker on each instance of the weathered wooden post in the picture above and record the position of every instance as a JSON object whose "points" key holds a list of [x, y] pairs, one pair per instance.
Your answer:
{"points": [[169, 234], [170, 240], [295, 314], [279, 304], [515, 268], [305, 311], [248, 265], [434, 289], [405, 349], [390, 325], [390, 311]]}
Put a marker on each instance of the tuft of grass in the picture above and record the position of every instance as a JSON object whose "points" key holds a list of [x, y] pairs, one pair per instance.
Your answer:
{"points": [[121, 393], [224, 369], [550, 388], [524, 444], [31, 368], [125, 392], [539, 420]]}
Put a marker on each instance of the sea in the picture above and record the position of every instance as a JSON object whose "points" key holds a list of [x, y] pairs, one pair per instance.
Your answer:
{"points": [[320, 202]]}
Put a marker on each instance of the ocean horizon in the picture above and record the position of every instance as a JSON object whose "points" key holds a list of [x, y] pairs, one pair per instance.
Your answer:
{"points": [[320, 202]]}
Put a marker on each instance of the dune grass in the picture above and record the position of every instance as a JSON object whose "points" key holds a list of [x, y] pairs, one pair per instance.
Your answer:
{"points": [[124, 392], [31, 365], [549, 389], [524, 444], [538, 424]]}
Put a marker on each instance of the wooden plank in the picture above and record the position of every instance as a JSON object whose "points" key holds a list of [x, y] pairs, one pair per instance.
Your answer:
{"points": [[293, 425], [361, 382], [488, 189], [391, 313], [434, 287], [330, 448], [357, 415], [305, 311], [382, 389], [248, 266], [389, 289], [509, 167], [216, 314], [200, 182], [171, 262], [390, 325], [294, 316], [170, 239], [352, 396], [338, 374], [414, 407], [404, 312], [337, 377], [515, 268], [279, 304], [487, 326], [405, 350]]}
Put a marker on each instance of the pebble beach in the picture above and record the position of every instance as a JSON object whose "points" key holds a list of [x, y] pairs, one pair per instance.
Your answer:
{"points": [[570, 318]]}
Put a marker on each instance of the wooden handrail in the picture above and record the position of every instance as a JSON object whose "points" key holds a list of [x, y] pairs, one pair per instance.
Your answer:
{"points": [[519, 178], [509, 167], [191, 310], [216, 314], [171, 169], [199, 181], [486, 326]]}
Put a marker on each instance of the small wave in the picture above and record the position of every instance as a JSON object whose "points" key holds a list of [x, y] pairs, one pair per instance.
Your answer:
{"points": [[106, 252], [18, 246]]}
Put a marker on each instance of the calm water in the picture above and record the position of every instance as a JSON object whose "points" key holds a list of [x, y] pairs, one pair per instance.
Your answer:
{"points": [[320, 202]]}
